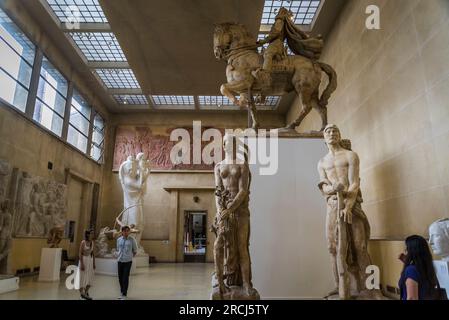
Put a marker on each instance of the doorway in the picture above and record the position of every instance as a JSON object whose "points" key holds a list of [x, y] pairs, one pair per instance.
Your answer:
{"points": [[195, 236]]}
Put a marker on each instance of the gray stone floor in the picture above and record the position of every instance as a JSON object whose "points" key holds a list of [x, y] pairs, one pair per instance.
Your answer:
{"points": [[171, 281]]}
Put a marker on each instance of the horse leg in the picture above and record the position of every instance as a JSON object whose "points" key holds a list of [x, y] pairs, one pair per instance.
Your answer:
{"points": [[305, 98], [253, 110], [226, 90], [322, 111]]}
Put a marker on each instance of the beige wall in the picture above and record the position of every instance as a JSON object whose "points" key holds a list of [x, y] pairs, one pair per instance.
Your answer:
{"points": [[164, 211], [28, 147], [392, 101]]}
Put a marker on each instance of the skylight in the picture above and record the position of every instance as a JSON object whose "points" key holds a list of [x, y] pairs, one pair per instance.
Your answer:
{"points": [[99, 46], [83, 11], [132, 99], [303, 11], [118, 78], [214, 101], [271, 101], [173, 100]]}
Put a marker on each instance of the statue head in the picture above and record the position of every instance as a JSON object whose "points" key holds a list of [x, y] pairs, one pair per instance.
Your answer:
{"points": [[332, 135], [236, 147], [230, 35], [141, 156], [284, 13], [439, 238]]}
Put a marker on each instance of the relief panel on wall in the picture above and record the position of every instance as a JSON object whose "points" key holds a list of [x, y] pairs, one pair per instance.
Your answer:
{"points": [[130, 140], [40, 204]]}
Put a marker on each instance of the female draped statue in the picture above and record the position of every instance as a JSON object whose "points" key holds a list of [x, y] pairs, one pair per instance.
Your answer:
{"points": [[133, 174], [232, 278]]}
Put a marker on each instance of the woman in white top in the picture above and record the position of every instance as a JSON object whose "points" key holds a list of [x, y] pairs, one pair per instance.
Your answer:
{"points": [[86, 266]]}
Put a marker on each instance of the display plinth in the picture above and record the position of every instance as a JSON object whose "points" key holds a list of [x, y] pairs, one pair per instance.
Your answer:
{"points": [[8, 283], [109, 267], [288, 223], [142, 260], [50, 267]]}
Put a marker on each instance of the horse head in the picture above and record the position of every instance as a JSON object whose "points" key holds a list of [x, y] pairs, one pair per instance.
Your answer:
{"points": [[228, 36]]}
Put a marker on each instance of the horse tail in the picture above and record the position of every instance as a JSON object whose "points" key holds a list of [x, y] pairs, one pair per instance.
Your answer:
{"points": [[331, 87]]}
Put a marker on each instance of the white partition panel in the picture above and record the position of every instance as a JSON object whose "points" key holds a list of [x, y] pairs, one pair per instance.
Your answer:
{"points": [[288, 245]]}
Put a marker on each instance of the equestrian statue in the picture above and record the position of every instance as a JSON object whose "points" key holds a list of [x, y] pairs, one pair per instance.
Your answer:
{"points": [[274, 72]]}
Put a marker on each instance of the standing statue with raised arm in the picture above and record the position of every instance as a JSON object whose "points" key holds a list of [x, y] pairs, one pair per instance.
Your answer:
{"points": [[347, 227], [133, 175], [232, 278]]}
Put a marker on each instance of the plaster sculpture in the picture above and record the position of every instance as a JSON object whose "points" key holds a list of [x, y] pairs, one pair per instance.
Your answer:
{"points": [[55, 236], [232, 277], [101, 243], [439, 242], [5, 176], [5, 235], [40, 205], [347, 227], [276, 73], [133, 174]]}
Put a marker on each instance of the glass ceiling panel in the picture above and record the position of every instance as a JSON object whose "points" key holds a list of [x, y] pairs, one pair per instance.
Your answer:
{"points": [[271, 101], [99, 46], [118, 78], [83, 11], [133, 99], [217, 101], [173, 100], [303, 11]]}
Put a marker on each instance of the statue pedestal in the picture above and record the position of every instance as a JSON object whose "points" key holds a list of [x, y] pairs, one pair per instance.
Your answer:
{"points": [[50, 267], [292, 241], [8, 283], [142, 260], [109, 267], [442, 271]]}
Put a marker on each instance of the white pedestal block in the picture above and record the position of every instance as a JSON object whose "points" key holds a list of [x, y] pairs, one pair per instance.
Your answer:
{"points": [[8, 284], [142, 260], [108, 266], [50, 267], [288, 223]]}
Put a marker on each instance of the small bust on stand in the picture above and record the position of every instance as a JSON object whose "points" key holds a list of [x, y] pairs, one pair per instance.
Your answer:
{"points": [[439, 242], [55, 236]]}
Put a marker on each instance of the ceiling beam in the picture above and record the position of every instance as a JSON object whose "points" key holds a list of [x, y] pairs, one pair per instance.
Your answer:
{"points": [[108, 65], [86, 27], [124, 91]]}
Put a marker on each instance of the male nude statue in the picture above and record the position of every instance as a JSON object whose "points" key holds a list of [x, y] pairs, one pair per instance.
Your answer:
{"points": [[347, 228], [231, 247]]}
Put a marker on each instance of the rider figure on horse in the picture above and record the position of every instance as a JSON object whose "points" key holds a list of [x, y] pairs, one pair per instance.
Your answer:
{"points": [[298, 41]]}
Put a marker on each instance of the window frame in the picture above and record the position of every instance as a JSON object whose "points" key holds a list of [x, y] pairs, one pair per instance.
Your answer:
{"points": [[32, 99]]}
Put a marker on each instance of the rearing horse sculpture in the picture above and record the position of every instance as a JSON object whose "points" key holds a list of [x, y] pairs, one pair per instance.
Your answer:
{"points": [[234, 44]]}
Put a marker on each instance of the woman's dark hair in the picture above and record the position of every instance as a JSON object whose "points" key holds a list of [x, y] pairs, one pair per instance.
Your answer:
{"points": [[87, 234], [418, 254]]}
